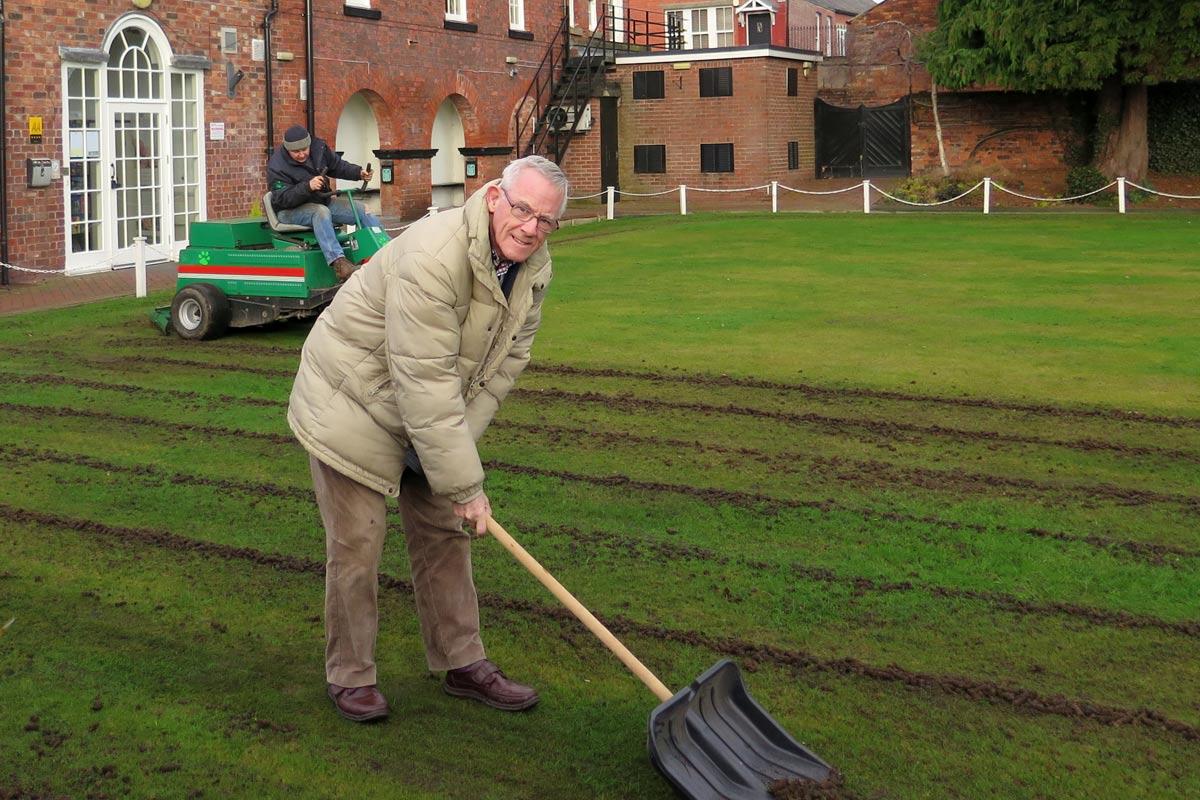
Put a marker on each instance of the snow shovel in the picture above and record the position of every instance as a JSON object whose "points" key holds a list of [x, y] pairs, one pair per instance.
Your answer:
{"points": [[710, 739]]}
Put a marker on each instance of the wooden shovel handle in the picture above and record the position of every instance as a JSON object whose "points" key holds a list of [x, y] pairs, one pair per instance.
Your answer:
{"points": [[575, 607]]}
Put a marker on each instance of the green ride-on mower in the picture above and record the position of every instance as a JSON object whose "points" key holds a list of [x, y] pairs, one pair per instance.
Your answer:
{"points": [[236, 273]]}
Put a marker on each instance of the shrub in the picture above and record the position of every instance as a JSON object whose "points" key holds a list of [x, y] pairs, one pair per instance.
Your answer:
{"points": [[1084, 179]]}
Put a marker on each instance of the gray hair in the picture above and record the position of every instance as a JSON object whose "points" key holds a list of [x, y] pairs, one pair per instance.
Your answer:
{"points": [[544, 167]]}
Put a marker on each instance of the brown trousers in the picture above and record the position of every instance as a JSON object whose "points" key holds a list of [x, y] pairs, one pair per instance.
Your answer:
{"points": [[355, 519]]}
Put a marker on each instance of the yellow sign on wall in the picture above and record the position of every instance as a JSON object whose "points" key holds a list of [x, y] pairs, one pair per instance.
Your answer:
{"points": [[35, 126]]}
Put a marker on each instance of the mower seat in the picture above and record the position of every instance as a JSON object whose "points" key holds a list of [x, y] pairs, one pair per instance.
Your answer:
{"points": [[273, 221]]}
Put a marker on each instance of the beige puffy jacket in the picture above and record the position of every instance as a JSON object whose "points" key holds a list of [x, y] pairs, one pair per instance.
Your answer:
{"points": [[420, 346]]}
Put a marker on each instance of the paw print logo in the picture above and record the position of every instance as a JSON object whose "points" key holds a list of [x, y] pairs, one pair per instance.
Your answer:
{"points": [[204, 257]]}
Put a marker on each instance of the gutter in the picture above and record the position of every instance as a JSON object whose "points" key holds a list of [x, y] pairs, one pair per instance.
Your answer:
{"points": [[3, 157], [309, 67]]}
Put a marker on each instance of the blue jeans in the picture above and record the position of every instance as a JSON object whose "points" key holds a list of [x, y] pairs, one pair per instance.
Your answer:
{"points": [[322, 218]]}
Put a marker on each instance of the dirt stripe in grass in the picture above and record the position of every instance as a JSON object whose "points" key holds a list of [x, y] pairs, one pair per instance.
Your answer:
{"points": [[810, 390], [752, 654], [859, 472], [881, 427], [1151, 552], [1148, 551], [637, 548], [804, 389], [835, 424], [870, 473]]}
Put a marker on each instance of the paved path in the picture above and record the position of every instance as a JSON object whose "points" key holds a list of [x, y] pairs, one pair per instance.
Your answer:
{"points": [[32, 291]]}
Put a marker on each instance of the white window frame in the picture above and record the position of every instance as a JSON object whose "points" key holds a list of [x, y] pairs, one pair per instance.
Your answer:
{"points": [[456, 10], [87, 261], [516, 15], [710, 18]]}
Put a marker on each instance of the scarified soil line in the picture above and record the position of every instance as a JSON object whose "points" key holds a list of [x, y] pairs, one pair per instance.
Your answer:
{"points": [[810, 390], [834, 424], [128, 388], [662, 552], [862, 473], [839, 425], [1151, 552], [1154, 553], [806, 389], [752, 654], [869, 473], [127, 419]]}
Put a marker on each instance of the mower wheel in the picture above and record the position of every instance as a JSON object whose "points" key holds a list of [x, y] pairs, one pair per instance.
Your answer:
{"points": [[200, 311]]}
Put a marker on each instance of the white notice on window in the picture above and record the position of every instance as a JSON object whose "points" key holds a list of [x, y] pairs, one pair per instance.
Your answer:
{"points": [[216, 131]]}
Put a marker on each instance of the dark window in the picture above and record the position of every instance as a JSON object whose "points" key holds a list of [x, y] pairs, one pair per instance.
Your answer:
{"points": [[648, 85], [649, 158], [716, 81], [793, 81], [793, 155], [716, 157]]}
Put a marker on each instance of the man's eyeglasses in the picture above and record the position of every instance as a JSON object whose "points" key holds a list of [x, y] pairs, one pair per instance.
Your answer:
{"points": [[524, 213]]}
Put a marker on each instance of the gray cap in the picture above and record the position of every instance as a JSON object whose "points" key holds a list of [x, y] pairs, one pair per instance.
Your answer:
{"points": [[296, 138]]}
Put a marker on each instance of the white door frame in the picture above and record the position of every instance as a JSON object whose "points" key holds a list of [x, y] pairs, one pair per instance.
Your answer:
{"points": [[156, 251]]}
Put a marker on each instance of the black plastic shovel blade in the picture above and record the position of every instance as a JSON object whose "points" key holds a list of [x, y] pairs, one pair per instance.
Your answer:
{"points": [[712, 740]]}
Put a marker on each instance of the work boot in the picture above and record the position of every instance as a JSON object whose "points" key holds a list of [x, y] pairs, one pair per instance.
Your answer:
{"points": [[483, 681], [342, 267], [358, 703]]}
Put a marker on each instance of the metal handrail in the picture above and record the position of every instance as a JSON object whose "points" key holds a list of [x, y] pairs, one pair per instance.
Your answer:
{"points": [[557, 78]]}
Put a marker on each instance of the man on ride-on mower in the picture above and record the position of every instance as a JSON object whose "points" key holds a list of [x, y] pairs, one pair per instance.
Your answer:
{"points": [[300, 176]]}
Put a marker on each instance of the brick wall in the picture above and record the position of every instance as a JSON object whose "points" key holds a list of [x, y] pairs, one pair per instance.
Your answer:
{"points": [[34, 88], [980, 127], [759, 119], [405, 64]]}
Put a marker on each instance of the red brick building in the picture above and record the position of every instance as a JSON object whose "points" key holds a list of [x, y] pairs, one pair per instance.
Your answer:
{"points": [[138, 116], [981, 127]]}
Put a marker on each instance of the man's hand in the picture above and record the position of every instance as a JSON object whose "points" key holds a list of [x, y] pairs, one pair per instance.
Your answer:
{"points": [[475, 513], [317, 183], [366, 174]]}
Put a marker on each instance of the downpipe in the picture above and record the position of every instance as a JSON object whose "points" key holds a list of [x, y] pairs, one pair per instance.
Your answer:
{"points": [[267, 19]]}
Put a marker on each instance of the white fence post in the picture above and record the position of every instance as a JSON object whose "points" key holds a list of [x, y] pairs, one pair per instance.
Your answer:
{"points": [[774, 197], [612, 191], [866, 197], [139, 267], [682, 200], [987, 195], [1121, 195]]}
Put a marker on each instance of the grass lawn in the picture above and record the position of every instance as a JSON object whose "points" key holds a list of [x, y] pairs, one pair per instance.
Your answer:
{"points": [[932, 481]]}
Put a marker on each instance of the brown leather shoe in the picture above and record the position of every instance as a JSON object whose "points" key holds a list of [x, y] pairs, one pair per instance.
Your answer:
{"points": [[358, 703], [483, 681], [342, 267]]}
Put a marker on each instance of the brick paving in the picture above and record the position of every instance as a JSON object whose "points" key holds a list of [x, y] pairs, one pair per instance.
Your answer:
{"points": [[33, 291]]}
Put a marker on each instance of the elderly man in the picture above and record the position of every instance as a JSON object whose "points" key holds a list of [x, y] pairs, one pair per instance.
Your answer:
{"points": [[398, 379], [300, 174]]}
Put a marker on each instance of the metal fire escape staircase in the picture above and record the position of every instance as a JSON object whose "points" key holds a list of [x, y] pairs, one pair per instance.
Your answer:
{"points": [[572, 72]]}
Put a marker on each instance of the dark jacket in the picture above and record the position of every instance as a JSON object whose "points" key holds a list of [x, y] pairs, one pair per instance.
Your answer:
{"points": [[288, 179]]}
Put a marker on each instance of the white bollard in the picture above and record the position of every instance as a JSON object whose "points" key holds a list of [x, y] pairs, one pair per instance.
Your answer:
{"points": [[1121, 195], [612, 195], [866, 197], [774, 197], [682, 200], [139, 267], [987, 195], [431, 211]]}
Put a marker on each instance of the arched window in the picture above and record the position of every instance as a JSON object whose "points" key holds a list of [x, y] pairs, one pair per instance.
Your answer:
{"points": [[134, 67]]}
